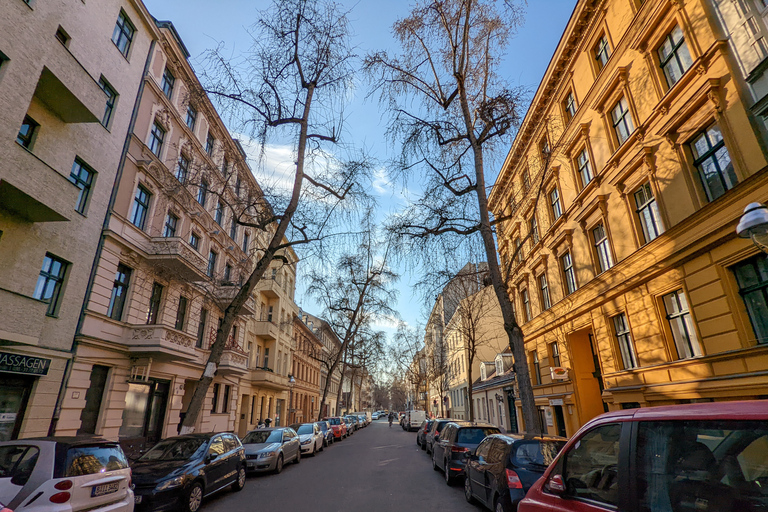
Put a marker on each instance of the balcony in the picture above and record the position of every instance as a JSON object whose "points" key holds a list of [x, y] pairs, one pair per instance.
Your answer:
{"points": [[226, 293], [266, 378], [68, 89], [233, 362], [160, 342], [270, 288], [37, 192], [178, 258], [22, 318], [265, 329]]}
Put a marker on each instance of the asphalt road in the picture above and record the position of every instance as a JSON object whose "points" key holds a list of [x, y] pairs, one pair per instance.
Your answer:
{"points": [[376, 469]]}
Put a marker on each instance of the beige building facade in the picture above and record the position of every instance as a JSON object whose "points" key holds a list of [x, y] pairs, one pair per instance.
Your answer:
{"points": [[305, 391], [69, 76]]}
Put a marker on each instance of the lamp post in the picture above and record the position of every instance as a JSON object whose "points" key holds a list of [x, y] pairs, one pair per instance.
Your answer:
{"points": [[754, 224], [291, 382]]}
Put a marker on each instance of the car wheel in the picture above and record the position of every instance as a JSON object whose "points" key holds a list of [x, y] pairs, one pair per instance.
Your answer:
{"points": [[434, 463], [499, 505], [468, 490], [424, 446], [194, 498], [297, 460], [448, 476], [279, 465], [314, 448], [240, 482]]}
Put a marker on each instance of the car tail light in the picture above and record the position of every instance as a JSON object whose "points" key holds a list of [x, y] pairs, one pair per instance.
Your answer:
{"points": [[459, 449], [513, 481], [63, 485], [60, 497]]}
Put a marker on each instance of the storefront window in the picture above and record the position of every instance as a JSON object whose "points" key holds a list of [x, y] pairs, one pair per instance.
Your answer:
{"points": [[13, 401]]}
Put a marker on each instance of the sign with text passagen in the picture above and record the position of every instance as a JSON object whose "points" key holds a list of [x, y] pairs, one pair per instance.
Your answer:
{"points": [[18, 363]]}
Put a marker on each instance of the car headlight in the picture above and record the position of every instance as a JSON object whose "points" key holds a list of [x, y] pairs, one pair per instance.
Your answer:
{"points": [[307, 441], [170, 484], [266, 455]]}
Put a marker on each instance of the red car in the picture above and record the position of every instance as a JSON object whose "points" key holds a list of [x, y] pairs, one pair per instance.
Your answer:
{"points": [[338, 426], [702, 457]]}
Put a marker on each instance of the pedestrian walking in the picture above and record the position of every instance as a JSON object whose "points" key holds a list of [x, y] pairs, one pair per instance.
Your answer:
{"points": [[268, 422]]}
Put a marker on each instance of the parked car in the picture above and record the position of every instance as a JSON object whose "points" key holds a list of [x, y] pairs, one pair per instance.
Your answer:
{"points": [[451, 450], [434, 432], [413, 419], [339, 427], [702, 457], [421, 434], [179, 472], [353, 424], [269, 449], [503, 467], [327, 432], [363, 419], [310, 436], [64, 473]]}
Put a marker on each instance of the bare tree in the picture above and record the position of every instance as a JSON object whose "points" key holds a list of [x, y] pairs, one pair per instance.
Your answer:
{"points": [[290, 83], [451, 110]]}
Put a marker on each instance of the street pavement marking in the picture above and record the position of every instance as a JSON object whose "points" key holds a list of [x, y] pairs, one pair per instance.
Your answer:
{"points": [[387, 446], [385, 462]]}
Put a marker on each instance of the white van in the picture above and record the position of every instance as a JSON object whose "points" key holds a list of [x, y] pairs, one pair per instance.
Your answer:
{"points": [[414, 419]]}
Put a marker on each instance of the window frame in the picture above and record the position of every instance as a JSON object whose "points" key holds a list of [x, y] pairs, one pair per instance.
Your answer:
{"points": [[525, 299], [171, 225], [625, 120], [568, 271], [210, 144], [156, 138], [166, 84], [596, 246], [127, 29], [181, 313], [648, 211], [761, 287], [624, 342], [141, 207], [556, 205], [673, 55], [685, 319], [84, 185], [601, 47], [109, 107], [27, 140], [121, 284], [569, 106], [191, 118], [51, 296], [545, 298], [155, 303], [711, 153], [211, 267], [585, 165], [182, 168], [194, 240], [202, 192]]}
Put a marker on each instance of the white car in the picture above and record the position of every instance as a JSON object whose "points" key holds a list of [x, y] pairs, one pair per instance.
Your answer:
{"points": [[64, 474], [310, 436]]}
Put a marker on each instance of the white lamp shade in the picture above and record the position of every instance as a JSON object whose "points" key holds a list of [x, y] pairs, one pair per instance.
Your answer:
{"points": [[754, 221]]}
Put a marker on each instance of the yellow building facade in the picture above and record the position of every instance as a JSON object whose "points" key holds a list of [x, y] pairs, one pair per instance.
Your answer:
{"points": [[620, 196]]}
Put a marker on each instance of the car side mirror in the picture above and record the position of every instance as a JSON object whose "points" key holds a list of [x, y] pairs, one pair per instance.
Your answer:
{"points": [[556, 485], [211, 457]]}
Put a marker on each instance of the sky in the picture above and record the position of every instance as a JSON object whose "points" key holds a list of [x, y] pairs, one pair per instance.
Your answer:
{"points": [[203, 24]]}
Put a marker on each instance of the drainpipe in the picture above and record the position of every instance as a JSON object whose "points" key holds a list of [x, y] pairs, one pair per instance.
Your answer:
{"points": [[100, 246]]}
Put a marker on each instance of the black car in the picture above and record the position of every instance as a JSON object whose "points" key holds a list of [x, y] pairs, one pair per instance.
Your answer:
{"points": [[434, 432], [327, 432], [504, 466], [421, 434], [457, 440], [178, 472]]}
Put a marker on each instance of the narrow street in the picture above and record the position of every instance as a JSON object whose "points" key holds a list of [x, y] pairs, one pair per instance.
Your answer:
{"points": [[376, 469]]}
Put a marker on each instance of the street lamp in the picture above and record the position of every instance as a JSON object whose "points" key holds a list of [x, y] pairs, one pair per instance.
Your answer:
{"points": [[291, 382], [754, 224]]}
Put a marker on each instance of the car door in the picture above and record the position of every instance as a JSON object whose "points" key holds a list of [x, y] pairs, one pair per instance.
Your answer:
{"points": [[216, 467], [231, 457], [291, 444], [442, 446], [478, 465]]}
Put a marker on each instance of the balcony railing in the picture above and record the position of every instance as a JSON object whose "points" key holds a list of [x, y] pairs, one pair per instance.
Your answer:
{"points": [[225, 294], [268, 379], [178, 257], [160, 341], [265, 329]]}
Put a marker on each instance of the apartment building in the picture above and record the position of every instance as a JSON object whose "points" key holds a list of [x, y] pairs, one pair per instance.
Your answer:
{"points": [[307, 354], [624, 186], [69, 76], [173, 255], [331, 345]]}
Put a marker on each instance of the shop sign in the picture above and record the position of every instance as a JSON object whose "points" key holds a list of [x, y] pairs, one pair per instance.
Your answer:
{"points": [[555, 401], [558, 373], [18, 363]]}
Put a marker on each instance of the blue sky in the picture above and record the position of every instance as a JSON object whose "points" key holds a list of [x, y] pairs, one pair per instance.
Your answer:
{"points": [[202, 24]]}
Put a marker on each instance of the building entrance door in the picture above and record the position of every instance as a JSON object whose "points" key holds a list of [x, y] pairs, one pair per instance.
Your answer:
{"points": [[144, 415], [13, 402], [587, 377]]}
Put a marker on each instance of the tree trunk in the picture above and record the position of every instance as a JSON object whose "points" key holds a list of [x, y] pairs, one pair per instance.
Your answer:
{"points": [[470, 387]]}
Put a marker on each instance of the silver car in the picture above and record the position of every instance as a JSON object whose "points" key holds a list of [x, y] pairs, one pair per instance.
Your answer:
{"points": [[311, 437], [268, 449]]}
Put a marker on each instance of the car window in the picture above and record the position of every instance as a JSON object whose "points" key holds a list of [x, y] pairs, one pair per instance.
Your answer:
{"points": [[483, 449], [17, 462], [305, 429], [176, 449], [497, 452], [540, 453], [591, 465], [721, 464], [229, 443], [216, 446], [262, 436], [89, 460], [474, 435]]}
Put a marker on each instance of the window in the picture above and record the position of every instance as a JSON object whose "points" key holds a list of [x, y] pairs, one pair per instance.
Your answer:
{"points": [[569, 107], [202, 192], [585, 168], [225, 168], [167, 82], [519, 250], [181, 314], [526, 305], [602, 52], [227, 273], [201, 328], [535, 368], [123, 34], [191, 117], [211, 263], [209, 143], [171, 222], [214, 403], [89, 415], [624, 339], [554, 200], [140, 207], [62, 36], [604, 258], [534, 230], [233, 229], [622, 121], [568, 272], [246, 241], [48, 288], [648, 213], [119, 292], [225, 400], [238, 184], [219, 213], [590, 466], [194, 241], [156, 137], [713, 162], [674, 57], [681, 325], [546, 302], [752, 278], [109, 107], [82, 176], [27, 132], [153, 313], [554, 348], [183, 170], [526, 180]]}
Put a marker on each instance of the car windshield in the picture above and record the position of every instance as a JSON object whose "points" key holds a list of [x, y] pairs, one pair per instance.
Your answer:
{"points": [[305, 429], [334, 421], [474, 435], [18, 461], [89, 460], [541, 453], [323, 426], [263, 436], [177, 449]]}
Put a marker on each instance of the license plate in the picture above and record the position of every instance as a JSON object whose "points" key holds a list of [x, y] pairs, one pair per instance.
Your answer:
{"points": [[137, 498], [101, 490]]}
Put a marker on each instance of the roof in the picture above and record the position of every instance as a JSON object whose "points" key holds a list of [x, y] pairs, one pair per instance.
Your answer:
{"points": [[176, 36], [531, 437], [495, 381]]}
